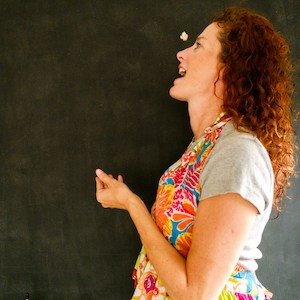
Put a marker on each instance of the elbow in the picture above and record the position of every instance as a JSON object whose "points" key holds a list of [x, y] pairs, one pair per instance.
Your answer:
{"points": [[187, 293], [187, 296], [194, 293], [191, 296]]}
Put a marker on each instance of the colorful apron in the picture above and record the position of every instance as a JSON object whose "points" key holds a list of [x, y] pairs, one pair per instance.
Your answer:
{"points": [[174, 211]]}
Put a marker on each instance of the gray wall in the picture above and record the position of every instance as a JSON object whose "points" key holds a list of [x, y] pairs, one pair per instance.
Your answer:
{"points": [[84, 84]]}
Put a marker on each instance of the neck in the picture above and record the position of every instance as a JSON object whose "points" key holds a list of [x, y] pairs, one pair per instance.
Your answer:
{"points": [[202, 117]]}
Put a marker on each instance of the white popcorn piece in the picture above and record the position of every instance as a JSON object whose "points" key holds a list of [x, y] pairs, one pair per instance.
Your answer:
{"points": [[184, 36]]}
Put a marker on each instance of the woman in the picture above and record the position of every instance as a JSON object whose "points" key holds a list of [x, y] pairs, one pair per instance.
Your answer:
{"points": [[201, 239]]}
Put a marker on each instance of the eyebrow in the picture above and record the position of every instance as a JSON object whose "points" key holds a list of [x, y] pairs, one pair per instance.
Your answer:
{"points": [[201, 37]]}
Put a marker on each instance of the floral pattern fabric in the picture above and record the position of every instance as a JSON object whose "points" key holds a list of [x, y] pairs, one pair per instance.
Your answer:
{"points": [[174, 211]]}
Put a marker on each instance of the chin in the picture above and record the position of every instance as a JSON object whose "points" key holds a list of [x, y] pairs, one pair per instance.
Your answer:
{"points": [[176, 95]]}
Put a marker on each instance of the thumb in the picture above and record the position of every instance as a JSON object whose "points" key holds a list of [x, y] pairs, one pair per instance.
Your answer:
{"points": [[120, 178]]}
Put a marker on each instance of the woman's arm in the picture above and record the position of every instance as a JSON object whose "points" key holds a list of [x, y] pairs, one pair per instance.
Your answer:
{"points": [[221, 227]]}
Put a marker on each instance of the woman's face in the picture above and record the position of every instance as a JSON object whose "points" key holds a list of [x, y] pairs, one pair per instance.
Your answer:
{"points": [[198, 67]]}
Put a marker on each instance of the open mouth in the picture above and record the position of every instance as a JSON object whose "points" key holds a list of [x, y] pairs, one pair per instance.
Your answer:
{"points": [[182, 72]]}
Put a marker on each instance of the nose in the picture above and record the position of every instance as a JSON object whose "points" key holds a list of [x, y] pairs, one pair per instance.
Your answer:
{"points": [[181, 55]]}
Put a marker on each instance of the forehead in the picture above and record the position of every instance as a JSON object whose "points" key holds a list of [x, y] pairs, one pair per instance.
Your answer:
{"points": [[210, 33]]}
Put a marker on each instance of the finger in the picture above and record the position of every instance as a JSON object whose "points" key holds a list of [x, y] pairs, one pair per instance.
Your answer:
{"points": [[100, 188], [100, 197], [120, 178], [103, 177], [99, 172], [99, 184]]}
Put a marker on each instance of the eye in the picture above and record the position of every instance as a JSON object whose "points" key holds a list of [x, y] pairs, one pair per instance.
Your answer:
{"points": [[197, 45]]}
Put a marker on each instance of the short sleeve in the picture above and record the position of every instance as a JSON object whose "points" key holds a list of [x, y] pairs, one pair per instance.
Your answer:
{"points": [[239, 163]]}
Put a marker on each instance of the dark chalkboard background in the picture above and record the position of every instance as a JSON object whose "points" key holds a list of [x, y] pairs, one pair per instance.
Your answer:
{"points": [[84, 84]]}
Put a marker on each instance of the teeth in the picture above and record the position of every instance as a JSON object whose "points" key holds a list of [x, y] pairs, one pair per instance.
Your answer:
{"points": [[182, 71]]}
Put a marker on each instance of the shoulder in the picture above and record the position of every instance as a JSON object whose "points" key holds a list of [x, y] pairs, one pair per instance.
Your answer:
{"points": [[238, 163], [234, 146], [231, 137]]}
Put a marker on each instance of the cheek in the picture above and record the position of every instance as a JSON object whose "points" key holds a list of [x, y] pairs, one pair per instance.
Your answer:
{"points": [[209, 69], [203, 67], [202, 74]]}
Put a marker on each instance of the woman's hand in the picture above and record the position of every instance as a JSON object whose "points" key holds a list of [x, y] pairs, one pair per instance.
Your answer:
{"points": [[112, 193]]}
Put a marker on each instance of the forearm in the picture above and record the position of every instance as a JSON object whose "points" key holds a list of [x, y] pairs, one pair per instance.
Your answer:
{"points": [[169, 264], [216, 245], [215, 249], [167, 261]]}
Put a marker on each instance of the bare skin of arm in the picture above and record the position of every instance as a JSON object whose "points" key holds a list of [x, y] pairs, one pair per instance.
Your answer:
{"points": [[221, 227]]}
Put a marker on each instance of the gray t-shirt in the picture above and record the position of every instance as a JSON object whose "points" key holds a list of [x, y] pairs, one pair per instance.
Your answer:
{"points": [[239, 163]]}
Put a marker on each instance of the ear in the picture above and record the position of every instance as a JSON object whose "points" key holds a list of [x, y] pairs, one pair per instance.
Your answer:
{"points": [[219, 84], [221, 68]]}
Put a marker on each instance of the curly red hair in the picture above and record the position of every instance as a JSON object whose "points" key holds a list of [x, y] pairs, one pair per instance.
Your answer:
{"points": [[257, 73]]}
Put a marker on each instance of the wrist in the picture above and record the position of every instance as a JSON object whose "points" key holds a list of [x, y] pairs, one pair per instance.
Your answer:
{"points": [[134, 203]]}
